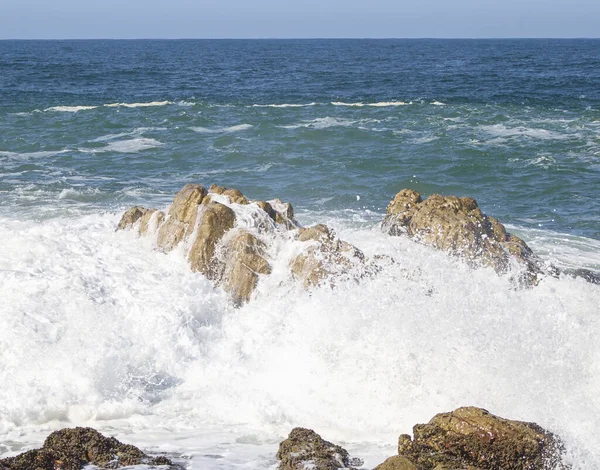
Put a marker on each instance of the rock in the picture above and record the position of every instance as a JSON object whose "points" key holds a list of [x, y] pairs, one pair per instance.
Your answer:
{"points": [[245, 263], [216, 220], [131, 216], [284, 213], [475, 439], [396, 462], [74, 448], [326, 259], [182, 216], [458, 226], [147, 218], [304, 449]]}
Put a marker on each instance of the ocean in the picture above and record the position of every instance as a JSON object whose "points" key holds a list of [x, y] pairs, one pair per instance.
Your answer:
{"points": [[99, 329]]}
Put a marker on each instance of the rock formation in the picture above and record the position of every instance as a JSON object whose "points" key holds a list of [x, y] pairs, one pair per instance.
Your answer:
{"points": [[228, 249], [304, 449], [72, 449], [475, 439]]}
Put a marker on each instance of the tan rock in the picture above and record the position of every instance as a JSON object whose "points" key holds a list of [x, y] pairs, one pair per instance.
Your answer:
{"points": [[216, 220], [284, 213], [396, 462], [474, 438], [182, 216], [458, 226], [131, 216], [246, 261], [152, 217], [326, 257]]}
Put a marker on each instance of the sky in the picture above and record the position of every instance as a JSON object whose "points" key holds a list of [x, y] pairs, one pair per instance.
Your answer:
{"points": [[80, 19]]}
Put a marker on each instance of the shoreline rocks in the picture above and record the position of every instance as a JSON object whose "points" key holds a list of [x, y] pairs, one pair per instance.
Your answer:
{"points": [[74, 448], [467, 438]]}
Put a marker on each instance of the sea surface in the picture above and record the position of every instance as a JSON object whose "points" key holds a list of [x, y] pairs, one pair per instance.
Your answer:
{"points": [[99, 329]]}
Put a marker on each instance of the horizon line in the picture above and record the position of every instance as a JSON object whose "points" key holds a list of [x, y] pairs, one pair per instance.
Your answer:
{"points": [[316, 38]]}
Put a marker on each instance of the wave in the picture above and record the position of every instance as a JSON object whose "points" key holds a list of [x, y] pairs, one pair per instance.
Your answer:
{"points": [[381, 104], [70, 109], [219, 130], [135, 132], [427, 334], [327, 122], [40, 154], [127, 146], [138, 105], [284, 105], [500, 130]]}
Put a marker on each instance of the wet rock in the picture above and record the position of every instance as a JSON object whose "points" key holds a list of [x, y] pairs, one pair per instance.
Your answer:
{"points": [[284, 213], [182, 216], [397, 462], [246, 261], [72, 449], [325, 258], [304, 449], [458, 226], [216, 220], [131, 216], [473, 438], [152, 218]]}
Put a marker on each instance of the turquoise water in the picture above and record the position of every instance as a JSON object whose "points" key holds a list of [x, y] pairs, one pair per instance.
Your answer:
{"points": [[95, 125], [99, 328]]}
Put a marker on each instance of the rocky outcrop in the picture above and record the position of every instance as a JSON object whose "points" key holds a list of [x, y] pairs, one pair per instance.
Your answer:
{"points": [[74, 448], [475, 439], [457, 226], [304, 449], [325, 257], [397, 462]]}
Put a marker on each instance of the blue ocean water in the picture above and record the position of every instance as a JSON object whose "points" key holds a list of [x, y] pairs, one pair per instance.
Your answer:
{"points": [[98, 328], [513, 123]]}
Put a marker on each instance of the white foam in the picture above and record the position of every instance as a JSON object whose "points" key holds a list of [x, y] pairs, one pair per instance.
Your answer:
{"points": [[96, 328], [70, 109], [381, 104], [219, 130], [322, 123], [138, 105], [128, 145], [283, 105], [500, 130], [25, 155], [135, 132]]}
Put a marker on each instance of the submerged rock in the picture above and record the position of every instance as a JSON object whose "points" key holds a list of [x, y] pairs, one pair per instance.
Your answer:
{"points": [[457, 226], [304, 449], [473, 438], [74, 448]]}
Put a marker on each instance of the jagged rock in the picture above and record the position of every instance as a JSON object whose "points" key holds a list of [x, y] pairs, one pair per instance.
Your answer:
{"points": [[182, 216], [145, 220], [131, 216], [234, 195], [473, 438], [245, 262], [216, 220], [397, 462], [72, 449], [325, 259], [304, 449], [458, 226], [284, 213]]}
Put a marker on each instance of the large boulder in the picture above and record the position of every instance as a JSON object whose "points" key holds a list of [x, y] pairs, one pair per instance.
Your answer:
{"points": [[305, 449], [245, 262], [325, 256], [458, 226], [181, 219], [74, 448], [475, 439], [216, 220], [397, 462], [131, 216]]}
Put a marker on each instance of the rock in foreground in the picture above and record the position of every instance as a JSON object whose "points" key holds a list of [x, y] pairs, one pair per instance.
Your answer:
{"points": [[475, 439], [304, 449], [74, 448]]}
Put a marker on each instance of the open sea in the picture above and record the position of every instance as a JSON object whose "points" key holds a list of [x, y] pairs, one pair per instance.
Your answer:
{"points": [[99, 329]]}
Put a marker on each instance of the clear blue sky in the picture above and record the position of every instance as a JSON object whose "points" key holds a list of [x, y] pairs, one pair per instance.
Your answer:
{"points": [[297, 18]]}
